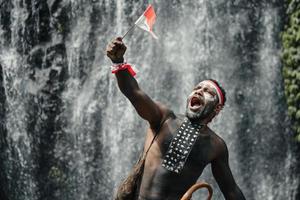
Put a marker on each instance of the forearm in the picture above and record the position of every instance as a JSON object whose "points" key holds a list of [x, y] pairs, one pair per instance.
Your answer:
{"points": [[127, 84], [143, 104]]}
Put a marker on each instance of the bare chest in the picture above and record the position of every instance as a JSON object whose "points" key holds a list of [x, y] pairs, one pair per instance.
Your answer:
{"points": [[155, 174], [200, 152]]}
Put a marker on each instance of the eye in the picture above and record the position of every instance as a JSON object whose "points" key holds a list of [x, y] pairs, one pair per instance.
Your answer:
{"points": [[197, 88], [211, 92]]}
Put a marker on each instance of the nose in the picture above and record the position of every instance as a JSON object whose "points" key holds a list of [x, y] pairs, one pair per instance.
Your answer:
{"points": [[199, 92]]}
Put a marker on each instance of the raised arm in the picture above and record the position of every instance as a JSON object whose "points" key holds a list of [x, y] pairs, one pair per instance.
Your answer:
{"points": [[153, 112], [223, 176]]}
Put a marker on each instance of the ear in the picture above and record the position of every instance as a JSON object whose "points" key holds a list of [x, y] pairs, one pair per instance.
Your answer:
{"points": [[218, 108]]}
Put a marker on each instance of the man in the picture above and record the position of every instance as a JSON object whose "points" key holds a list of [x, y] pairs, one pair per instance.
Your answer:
{"points": [[184, 145]]}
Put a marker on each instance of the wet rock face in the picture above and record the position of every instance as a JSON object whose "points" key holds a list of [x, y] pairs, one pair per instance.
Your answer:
{"points": [[6, 20], [3, 142], [66, 132], [27, 28], [47, 78]]}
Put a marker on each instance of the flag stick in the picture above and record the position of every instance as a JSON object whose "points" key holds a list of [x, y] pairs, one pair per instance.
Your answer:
{"points": [[131, 28]]}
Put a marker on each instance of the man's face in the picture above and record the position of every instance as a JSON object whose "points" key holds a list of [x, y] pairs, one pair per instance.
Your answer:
{"points": [[202, 101]]}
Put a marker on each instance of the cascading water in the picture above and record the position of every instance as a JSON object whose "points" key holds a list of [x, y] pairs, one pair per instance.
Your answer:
{"points": [[68, 133]]}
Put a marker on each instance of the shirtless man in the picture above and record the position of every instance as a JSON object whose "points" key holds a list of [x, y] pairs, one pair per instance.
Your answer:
{"points": [[184, 145]]}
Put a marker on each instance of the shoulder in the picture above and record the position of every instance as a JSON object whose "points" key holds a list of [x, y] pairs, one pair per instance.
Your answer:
{"points": [[221, 150], [165, 113], [162, 107]]}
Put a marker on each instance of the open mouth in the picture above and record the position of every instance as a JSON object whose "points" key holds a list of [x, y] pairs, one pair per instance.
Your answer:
{"points": [[195, 103]]}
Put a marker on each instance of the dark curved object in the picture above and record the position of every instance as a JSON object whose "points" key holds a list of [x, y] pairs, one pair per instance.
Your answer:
{"points": [[197, 186]]}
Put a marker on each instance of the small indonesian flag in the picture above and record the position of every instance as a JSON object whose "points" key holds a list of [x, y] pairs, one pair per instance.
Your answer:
{"points": [[147, 20]]}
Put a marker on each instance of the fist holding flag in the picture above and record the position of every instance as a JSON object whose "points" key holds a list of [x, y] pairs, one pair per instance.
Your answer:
{"points": [[116, 50]]}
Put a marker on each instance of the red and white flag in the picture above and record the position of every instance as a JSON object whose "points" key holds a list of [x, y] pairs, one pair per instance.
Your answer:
{"points": [[146, 20]]}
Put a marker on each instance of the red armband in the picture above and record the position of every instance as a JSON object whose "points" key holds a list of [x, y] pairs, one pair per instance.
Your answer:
{"points": [[122, 66]]}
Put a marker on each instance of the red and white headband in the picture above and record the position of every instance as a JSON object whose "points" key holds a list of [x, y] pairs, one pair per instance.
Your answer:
{"points": [[219, 91]]}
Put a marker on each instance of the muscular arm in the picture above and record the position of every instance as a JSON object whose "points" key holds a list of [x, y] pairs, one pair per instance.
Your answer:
{"points": [[144, 105], [223, 176], [149, 110]]}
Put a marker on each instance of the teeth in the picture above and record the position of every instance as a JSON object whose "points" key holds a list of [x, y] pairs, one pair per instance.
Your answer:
{"points": [[195, 105], [195, 102]]}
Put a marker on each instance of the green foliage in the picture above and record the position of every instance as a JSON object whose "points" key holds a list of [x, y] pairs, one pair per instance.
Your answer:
{"points": [[291, 63]]}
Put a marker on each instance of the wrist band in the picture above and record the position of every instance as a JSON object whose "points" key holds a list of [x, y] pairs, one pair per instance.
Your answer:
{"points": [[122, 66]]}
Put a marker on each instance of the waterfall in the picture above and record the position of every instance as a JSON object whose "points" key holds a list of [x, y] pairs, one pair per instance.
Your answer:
{"points": [[68, 133]]}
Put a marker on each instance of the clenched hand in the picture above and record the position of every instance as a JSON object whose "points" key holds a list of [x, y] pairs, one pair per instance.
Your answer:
{"points": [[115, 50]]}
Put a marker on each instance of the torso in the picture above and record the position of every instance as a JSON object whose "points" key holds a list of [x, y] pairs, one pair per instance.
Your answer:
{"points": [[160, 184]]}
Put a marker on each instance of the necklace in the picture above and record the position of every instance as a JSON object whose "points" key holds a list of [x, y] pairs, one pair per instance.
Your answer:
{"points": [[181, 146]]}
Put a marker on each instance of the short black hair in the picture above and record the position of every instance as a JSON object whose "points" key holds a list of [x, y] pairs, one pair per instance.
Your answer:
{"points": [[221, 88]]}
